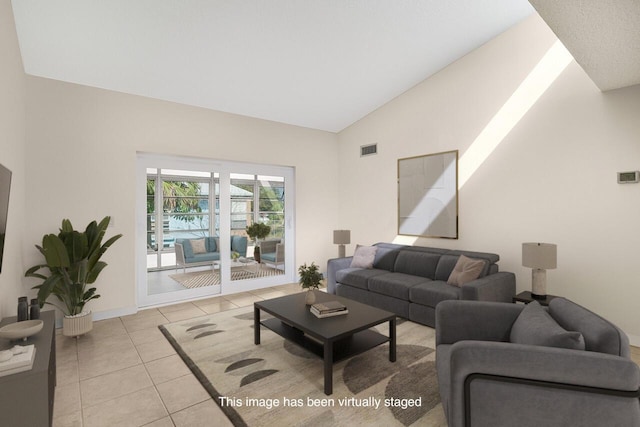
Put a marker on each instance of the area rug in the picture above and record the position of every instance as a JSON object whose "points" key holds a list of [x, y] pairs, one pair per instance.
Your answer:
{"points": [[199, 279], [277, 383]]}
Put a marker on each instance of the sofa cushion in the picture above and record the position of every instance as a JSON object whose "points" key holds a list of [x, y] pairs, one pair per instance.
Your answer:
{"points": [[364, 256], [534, 326], [386, 255], [433, 292], [198, 246], [416, 263], [599, 334], [466, 270], [357, 277], [489, 257], [445, 266], [395, 285]]}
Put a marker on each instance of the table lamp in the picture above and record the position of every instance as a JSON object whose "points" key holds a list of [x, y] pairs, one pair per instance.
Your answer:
{"points": [[341, 238], [540, 257]]}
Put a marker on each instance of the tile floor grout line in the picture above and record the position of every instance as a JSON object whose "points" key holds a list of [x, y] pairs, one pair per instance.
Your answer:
{"points": [[76, 351]]}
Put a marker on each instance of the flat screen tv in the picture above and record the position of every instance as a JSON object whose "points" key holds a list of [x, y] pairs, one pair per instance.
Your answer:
{"points": [[5, 186]]}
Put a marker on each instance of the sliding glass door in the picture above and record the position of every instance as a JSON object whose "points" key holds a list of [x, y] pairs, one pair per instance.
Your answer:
{"points": [[257, 199], [195, 215], [178, 206]]}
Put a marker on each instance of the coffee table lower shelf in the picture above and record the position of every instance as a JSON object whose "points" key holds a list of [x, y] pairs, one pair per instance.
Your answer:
{"points": [[342, 349], [332, 339]]}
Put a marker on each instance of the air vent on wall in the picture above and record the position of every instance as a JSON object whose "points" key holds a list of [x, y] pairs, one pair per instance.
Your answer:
{"points": [[368, 150]]}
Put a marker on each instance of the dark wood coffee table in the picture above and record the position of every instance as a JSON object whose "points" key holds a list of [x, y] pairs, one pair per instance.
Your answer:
{"points": [[332, 338]]}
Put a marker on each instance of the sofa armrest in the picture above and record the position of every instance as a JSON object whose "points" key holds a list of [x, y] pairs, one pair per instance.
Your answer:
{"points": [[500, 286], [334, 265], [543, 367], [474, 320]]}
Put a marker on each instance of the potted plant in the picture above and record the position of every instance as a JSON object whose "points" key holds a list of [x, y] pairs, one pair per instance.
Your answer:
{"points": [[257, 231], [310, 279], [72, 259]]}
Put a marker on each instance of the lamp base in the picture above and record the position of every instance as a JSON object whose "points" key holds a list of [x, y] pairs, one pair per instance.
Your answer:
{"points": [[341, 251], [539, 283]]}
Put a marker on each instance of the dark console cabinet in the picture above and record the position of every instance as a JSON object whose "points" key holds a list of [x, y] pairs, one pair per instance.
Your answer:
{"points": [[26, 398]]}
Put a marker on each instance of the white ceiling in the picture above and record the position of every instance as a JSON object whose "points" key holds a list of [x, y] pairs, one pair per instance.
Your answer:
{"points": [[318, 64], [602, 35]]}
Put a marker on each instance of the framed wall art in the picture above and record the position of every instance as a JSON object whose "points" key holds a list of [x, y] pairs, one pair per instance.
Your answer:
{"points": [[428, 195]]}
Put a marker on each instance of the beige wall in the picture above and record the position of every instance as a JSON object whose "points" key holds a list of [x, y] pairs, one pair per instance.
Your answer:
{"points": [[12, 128], [82, 144], [551, 179]]}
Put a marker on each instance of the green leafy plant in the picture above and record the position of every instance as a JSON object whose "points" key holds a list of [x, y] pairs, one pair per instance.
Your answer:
{"points": [[73, 261], [258, 230], [310, 276]]}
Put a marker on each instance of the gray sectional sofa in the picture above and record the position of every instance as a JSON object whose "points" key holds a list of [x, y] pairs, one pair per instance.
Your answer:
{"points": [[410, 280]]}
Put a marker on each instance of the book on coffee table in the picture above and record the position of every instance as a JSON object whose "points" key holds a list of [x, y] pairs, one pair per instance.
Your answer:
{"points": [[328, 309], [329, 314]]}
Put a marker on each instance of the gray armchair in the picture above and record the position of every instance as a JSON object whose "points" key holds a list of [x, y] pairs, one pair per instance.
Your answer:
{"points": [[487, 380]]}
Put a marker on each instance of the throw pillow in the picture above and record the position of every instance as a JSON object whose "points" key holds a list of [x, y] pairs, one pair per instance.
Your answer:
{"points": [[198, 246], [364, 256], [465, 270], [535, 326]]}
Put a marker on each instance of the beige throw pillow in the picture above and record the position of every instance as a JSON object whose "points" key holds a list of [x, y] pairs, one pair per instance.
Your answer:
{"points": [[364, 256], [198, 247], [466, 270]]}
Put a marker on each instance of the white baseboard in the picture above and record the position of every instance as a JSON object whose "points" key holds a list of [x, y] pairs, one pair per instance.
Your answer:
{"points": [[103, 315], [634, 340]]}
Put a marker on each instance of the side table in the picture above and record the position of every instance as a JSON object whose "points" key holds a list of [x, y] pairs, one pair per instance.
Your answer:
{"points": [[526, 297]]}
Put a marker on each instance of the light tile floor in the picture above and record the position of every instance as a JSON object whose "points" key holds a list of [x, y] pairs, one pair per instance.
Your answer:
{"points": [[125, 373]]}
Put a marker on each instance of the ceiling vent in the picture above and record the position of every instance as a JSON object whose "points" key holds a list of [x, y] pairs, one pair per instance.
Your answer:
{"points": [[368, 150]]}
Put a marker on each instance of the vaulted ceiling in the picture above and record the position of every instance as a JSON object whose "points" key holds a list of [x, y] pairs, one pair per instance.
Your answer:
{"points": [[318, 64], [322, 64]]}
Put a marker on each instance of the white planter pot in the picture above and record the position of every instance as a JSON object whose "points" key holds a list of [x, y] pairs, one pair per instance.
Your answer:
{"points": [[310, 298], [80, 324]]}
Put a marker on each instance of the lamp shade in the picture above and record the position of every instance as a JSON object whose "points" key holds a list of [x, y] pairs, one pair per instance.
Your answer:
{"points": [[540, 255], [341, 237]]}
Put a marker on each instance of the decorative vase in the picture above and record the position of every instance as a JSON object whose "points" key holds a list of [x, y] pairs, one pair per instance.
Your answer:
{"points": [[256, 253], [310, 298], [80, 324]]}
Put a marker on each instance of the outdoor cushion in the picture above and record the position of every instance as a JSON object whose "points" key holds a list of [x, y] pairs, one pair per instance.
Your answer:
{"points": [[198, 246], [212, 244], [534, 326]]}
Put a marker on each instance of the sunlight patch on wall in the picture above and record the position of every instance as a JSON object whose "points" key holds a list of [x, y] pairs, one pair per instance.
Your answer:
{"points": [[548, 69], [525, 96]]}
